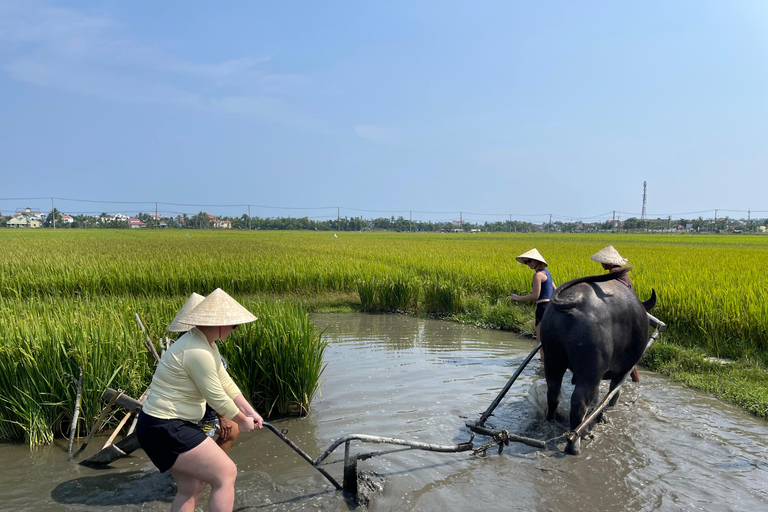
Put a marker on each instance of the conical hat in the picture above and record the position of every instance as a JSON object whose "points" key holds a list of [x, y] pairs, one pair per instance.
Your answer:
{"points": [[609, 256], [533, 254], [188, 306], [218, 309]]}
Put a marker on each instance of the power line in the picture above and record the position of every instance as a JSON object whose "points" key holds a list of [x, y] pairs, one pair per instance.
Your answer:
{"points": [[504, 217]]}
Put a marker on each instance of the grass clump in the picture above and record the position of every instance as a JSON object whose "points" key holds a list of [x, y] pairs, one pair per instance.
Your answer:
{"points": [[277, 361], [501, 314], [441, 297], [397, 294], [367, 292]]}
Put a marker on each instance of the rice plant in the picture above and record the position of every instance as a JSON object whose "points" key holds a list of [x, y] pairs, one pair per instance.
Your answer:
{"points": [[277, 361], [67, 298], [366, 290], [46, 341], [440, 297], [397, 294]]}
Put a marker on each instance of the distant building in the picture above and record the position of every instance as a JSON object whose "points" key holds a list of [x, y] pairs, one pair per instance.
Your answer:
{"points": [[117, 216], [218, 223], [27, 218], [29, 213], [135, 223], [66, 219], [23, 222]]}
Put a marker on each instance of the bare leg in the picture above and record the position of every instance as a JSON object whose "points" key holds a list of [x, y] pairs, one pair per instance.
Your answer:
{"points": [[205, 463], [187, 491], [538, 339]]}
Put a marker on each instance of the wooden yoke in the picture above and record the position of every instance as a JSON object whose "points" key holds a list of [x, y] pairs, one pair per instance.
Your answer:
{"points": [[124, 401]]}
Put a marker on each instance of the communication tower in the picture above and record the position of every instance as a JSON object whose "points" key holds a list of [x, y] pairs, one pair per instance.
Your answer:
{"points": [[642, 216]]}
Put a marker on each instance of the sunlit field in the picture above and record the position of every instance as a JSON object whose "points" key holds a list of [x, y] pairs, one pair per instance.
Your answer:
{"points": [[68, 297], [711, 288]]}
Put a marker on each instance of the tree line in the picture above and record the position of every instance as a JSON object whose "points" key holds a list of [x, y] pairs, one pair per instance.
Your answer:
{"points": [[202, 220]]}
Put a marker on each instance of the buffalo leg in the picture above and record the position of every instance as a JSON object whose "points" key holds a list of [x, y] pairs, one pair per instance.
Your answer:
{"points": [[615, 398], [553, 371], [583, 395]]}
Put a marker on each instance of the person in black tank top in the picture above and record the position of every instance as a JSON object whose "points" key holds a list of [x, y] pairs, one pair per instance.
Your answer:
{"points": [[542, 287]]}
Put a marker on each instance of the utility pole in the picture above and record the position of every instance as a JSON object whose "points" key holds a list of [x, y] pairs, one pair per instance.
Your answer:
{"points": [[53, 214], [157, 219], [613, 222], [550, 223], [715, 227], [642, 215], [510, 222], [410, 222], [249, 217], [338, 219]]}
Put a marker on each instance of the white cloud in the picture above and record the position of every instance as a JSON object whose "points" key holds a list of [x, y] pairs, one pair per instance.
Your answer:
{"points": [[87, 54]]}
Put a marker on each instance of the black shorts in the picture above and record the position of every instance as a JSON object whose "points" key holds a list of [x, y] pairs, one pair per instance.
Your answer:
{"points": [[540, 308], [164, 440]]}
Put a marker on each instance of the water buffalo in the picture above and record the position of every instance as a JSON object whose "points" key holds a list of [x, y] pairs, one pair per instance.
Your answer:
{"points": [[596, 327]]}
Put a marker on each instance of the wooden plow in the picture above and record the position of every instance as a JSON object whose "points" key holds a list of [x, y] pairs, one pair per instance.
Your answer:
{"points": [[111, 452], [503, 438], [351, 477]]}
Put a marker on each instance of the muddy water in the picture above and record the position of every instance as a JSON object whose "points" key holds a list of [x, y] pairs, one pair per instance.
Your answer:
{"points": [[663, 447]]}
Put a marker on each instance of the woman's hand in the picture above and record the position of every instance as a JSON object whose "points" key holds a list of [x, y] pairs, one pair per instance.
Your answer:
{"points": [[247, 410], [514, 297], [257, 419], [245, 423]]}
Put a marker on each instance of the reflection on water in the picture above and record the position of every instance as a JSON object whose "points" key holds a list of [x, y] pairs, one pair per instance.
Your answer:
{"points": [[663, 447]]}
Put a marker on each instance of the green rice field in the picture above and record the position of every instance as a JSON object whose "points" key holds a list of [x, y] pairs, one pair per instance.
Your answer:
{"points": [[68, 300]]}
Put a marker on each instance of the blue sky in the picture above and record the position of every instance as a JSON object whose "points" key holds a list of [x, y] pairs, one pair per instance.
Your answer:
{"points": [[491, 109]]}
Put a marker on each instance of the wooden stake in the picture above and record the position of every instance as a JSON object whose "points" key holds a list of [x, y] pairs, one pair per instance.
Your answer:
{"points": [[76, 413], [98, 423], [148, 342]]}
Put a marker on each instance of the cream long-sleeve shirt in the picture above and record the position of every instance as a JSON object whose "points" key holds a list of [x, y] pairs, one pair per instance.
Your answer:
{"points": [[189, 374]]}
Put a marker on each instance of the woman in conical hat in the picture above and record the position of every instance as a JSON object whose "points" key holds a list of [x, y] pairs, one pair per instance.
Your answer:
{"points": [[212, 423], [542, 287], [612, 261], [189, 305], [189, 375]]}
